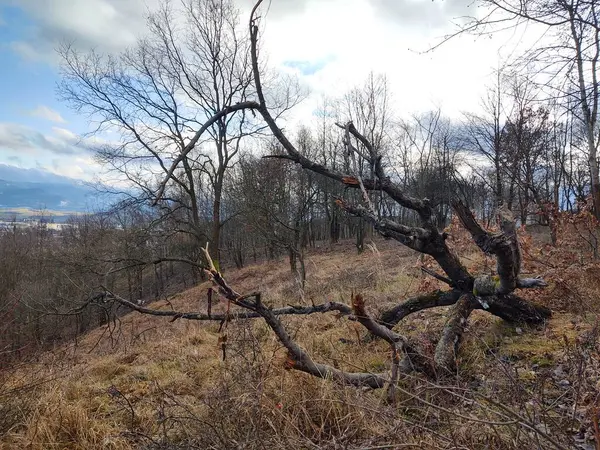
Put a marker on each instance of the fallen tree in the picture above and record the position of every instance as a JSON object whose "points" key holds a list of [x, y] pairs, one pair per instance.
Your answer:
{"points": [[467, 292]]}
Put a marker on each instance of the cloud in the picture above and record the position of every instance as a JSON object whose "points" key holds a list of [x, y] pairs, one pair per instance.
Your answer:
{"points": [[20, 139], [282, 8], [78, 168], [47, 113], [109, 25], [65, 134], [60, 152], [331, 45], [28, 52], [310, 67], [416, 13]]}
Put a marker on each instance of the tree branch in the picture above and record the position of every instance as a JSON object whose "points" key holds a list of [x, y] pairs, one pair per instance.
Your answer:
{"points": [[288, 310], [504, 246], [437, 276], [190, 145], [448, 345], [392, 317]]}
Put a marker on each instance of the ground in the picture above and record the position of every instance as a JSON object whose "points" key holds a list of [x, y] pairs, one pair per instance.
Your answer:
{"points": [[146, 382]]}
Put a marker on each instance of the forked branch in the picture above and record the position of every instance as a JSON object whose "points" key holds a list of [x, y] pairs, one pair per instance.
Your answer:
{"points": [[505, 246]]}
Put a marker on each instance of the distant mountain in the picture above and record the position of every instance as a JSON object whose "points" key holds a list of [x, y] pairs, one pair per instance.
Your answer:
{"points": [[12, 173], [38, 189]]}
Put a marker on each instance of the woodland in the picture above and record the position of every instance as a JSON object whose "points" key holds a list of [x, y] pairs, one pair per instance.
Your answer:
{"points": [[365, 280]]}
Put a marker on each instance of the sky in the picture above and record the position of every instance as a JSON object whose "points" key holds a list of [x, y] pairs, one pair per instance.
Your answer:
{"points": [[330, 45]]}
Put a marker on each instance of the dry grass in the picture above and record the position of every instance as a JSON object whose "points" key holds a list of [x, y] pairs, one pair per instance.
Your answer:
{"points": [[154, 384]]}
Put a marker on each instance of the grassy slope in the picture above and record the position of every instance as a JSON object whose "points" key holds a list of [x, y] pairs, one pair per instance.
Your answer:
{"points": [[147, 382]]}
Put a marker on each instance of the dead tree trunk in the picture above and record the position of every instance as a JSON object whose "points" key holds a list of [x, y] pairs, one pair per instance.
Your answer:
{"points": [[448, 345]]}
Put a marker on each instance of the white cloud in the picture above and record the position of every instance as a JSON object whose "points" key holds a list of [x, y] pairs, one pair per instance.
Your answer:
{"points": [[81, 168], [354, 37], [61, 152], [419, 13], [65, 134], [47, 113], [331, 45], [18, 138], [109, 25], [29, 52]]}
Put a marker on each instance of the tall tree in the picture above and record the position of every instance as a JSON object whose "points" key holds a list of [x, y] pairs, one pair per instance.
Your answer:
{"points": [[158, 95], [483, 135], [368, 108]]}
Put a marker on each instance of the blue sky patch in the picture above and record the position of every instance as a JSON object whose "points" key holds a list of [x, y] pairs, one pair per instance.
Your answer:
{"points": [[309, 67]]}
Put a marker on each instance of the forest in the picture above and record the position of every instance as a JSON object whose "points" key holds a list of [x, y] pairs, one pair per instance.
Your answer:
{"points": [[363, 279]]}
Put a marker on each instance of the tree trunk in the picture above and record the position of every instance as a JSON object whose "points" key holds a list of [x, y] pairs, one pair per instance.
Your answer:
{"points": [[499, 194], [595, 182], [449, 343], [302, 270], [130, 285], [334, 225], [215, 234], [140, 283], [293, 260], [589, 116], [360, 236]]}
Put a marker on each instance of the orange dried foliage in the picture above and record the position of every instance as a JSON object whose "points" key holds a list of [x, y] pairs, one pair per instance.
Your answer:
{"points": [[459, 239], [571, 267], [350, 181], [358, 305], [289, 363], [428, 284]]}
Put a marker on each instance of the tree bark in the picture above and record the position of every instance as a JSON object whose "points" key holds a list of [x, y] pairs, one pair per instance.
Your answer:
{"points": [[216, 220], [589, 113], [514, 309], [393, 316], [449, 343]]}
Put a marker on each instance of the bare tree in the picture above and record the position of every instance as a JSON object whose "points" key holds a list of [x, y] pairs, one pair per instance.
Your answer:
{"points": [[327, 143], [566, 58], [483, 135], [430, 159], [278, 199], [368, 108], [157, 95]]}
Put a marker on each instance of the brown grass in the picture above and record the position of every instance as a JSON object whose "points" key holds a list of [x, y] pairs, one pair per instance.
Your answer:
{"points": [[155, 384]]}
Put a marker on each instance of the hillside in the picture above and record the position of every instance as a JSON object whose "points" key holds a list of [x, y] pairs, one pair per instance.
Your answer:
{"points": [[42, 190], [146, 382]]}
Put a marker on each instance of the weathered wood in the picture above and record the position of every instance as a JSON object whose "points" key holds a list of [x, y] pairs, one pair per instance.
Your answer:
{"points": [[514, 309], [426, 239], [448, 345], [299, 359], [393, 316], [238, 315], [504, 245], [492, 294], [397, 342]]}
